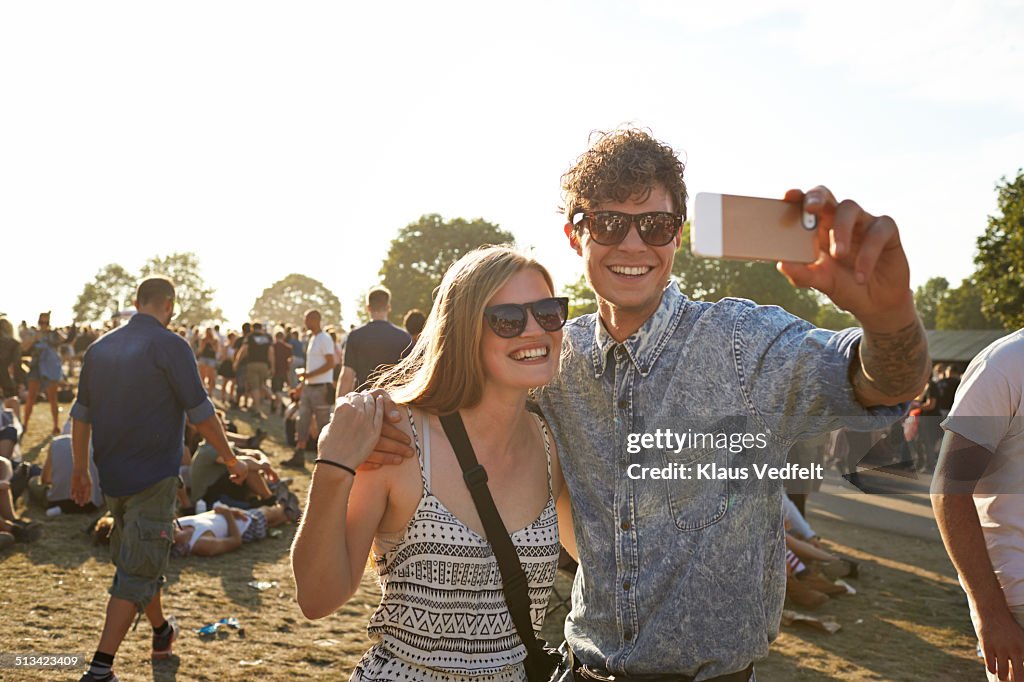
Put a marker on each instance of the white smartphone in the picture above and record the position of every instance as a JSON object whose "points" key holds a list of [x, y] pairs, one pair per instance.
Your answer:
{"points": [[752, 228]]}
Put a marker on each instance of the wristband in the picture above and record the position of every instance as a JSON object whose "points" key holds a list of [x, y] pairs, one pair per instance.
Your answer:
{"points": [[318, 460]]}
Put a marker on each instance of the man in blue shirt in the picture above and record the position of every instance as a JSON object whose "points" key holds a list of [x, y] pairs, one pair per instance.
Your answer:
{"points": [[377, 344], [137, 385], [683, 576]]}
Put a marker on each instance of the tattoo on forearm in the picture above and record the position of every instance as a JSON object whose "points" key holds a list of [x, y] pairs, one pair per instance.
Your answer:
{"points": [[893, 363]]}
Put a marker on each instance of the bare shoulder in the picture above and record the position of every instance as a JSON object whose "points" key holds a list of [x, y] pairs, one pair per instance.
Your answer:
{"points": [[404, 482]]}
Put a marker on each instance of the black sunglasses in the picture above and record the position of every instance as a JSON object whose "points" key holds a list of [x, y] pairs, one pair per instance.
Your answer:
{"points": [[508, 320], [609, 228]]}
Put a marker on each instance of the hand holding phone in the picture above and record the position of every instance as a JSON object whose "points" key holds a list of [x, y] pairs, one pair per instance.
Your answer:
{"points": [[752, 228], [853, 257]]}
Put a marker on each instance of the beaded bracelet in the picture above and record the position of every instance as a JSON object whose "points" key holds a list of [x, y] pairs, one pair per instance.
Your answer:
{"points": [[318, 460]]}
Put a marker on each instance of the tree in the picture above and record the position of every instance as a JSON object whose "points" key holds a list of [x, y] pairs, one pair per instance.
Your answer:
{"points": [[831, 317], [928, 298], [999, 263], [961, 309], [287, 300], [423, 251], [194, 300], [581, 298], [711, 279], [112, 290]]}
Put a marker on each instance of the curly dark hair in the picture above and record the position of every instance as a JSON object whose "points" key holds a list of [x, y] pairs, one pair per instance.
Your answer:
{"points": [[622, 164]]}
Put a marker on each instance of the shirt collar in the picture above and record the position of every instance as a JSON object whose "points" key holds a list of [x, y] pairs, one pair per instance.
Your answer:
{"points": [[644, 346], [144, 318]]}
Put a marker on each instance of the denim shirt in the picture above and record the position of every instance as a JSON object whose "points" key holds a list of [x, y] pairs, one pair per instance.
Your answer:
{"points": [[138, 383], [688, 576]]}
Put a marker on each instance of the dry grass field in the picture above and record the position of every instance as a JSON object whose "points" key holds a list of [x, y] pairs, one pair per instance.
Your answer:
{"points": [[908, 622]]}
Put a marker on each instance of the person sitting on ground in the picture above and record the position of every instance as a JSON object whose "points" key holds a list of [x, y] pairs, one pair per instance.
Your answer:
{"points": [[211, 481], [225, 529], [52, 488], [10, 434], [23, 530]]}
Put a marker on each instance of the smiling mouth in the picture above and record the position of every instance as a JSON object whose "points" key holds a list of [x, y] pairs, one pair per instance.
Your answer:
{"points": [[630, 270], [529, 354]]}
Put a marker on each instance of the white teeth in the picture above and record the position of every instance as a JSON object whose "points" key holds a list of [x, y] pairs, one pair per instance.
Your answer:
{"points": [[633, 271], [530, 353]]}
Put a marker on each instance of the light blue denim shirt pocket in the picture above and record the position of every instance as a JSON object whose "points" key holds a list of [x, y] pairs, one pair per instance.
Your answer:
{"points": [[695, 502]]}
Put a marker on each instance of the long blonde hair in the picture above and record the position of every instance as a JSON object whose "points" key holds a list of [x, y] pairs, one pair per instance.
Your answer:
{"points": [[444, 372]]}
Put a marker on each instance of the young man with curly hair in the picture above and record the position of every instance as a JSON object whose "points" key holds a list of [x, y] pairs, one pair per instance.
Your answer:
{"points": [[686, 578]]}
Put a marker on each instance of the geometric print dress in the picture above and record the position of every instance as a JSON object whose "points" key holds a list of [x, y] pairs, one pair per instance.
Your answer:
{"points": [[443, 616]]}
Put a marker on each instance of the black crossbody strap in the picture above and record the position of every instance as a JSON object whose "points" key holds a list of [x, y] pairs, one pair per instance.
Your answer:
{"points": [[513, 579]]}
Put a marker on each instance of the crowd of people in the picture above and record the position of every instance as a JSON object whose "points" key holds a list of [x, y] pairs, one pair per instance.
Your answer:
{"points": [[466, 452]]}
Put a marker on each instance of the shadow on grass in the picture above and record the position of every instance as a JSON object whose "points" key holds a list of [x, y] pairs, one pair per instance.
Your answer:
{"points": [[167, 669]]}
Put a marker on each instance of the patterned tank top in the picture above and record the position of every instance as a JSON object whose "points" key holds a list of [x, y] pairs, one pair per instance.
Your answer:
{"points": [[443, 615]]}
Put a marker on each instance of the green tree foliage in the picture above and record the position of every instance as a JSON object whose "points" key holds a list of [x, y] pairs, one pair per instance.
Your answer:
{"points": [[581, 298], [928, 299], [999, 263], [424, 250], [112, 290], [961, 309], [711, 279], [286, 301], [831, 317], [194, 299]]}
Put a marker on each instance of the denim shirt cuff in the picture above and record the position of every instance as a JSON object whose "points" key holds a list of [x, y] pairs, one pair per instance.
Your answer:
{"points": [[80, 412], [201, 412]]}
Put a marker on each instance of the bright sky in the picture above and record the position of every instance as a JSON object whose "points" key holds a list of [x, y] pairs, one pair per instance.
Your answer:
{"points": [[273, 138]]}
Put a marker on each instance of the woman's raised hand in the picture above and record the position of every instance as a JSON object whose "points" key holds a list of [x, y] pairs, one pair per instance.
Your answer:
{"points": [[354, 429]]}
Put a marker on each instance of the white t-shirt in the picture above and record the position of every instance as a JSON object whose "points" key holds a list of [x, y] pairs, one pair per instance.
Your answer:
{"points": [[320, 348], [989, 410], [213, 523]]}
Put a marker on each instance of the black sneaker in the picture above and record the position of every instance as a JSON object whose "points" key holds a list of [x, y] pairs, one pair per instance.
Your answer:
{"points": [[162, 643], [298, 461], [254, 441]]}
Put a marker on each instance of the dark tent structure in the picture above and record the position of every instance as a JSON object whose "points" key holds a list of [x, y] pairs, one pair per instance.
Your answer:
{"points": [[947, 345]]}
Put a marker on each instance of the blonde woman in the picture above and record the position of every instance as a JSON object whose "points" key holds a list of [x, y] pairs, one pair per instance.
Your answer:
{"points": [[493, 334]]}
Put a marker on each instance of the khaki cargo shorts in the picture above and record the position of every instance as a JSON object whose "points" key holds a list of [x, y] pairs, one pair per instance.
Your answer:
{"points": [[256, 374], [140, 544]]}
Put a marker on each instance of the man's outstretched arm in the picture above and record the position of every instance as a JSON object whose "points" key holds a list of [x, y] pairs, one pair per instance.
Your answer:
{"points": [[893, 364], [863, 269]]}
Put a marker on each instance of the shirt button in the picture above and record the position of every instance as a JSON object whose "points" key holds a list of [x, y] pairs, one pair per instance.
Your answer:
{"points": [[620, 353], [623, 404], [625, 585], [624, 525]]}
